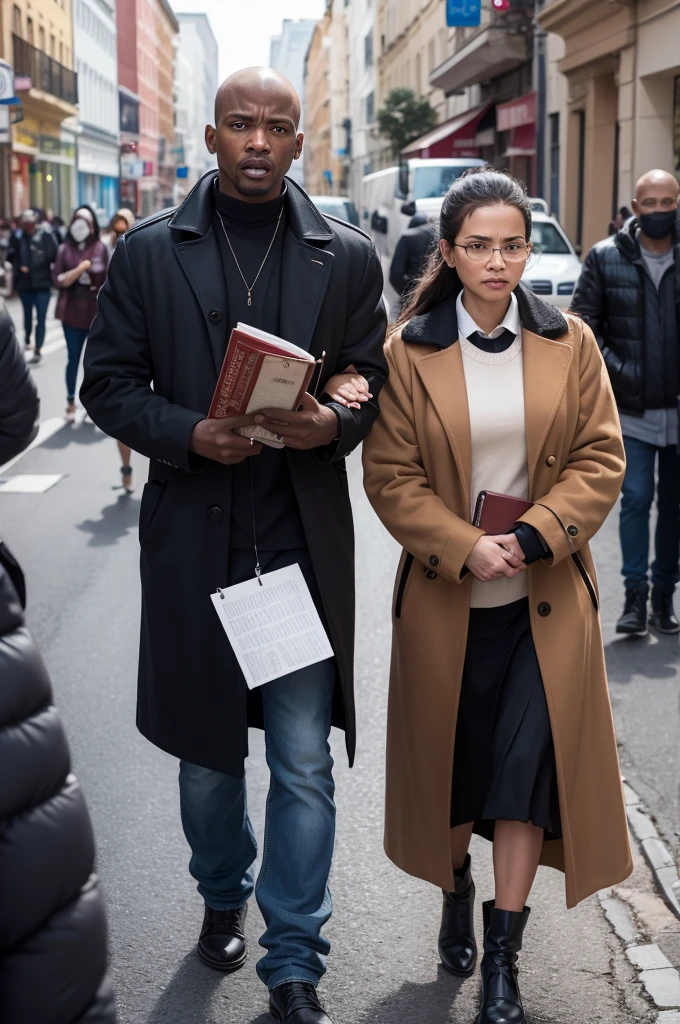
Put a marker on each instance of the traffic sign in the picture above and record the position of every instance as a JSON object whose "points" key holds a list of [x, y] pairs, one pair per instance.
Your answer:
{"points": [[461, 13]]}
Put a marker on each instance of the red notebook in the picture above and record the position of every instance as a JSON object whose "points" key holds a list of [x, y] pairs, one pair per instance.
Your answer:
{"points": [[260, 371], [498, 513]]}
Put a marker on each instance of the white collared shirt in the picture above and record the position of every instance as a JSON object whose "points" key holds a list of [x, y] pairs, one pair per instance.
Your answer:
{"points": [[467, 326]]}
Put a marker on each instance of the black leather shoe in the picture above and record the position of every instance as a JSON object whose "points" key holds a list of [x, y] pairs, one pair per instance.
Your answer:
{"points": [[457, 945], [663, 618], [501, 999], [222, 944], [633, 622], [296, 1002]]}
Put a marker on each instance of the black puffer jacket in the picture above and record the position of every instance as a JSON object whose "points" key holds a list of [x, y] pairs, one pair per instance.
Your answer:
{"points": [[19, 404], [617, 299], [40, 251]]}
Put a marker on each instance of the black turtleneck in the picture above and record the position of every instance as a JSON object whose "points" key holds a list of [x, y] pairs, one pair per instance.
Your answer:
{"points": [[250, 228]]}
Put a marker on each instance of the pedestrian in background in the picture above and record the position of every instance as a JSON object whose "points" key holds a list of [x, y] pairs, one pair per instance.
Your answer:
{"points": [[623, 214], [246, 245], [79, 273], [497, 654], [629, 294], [410, 252], [32, 253], [52, 924]]}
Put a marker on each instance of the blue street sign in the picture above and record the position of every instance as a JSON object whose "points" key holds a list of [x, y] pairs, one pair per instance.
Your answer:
{"points": [[461, 13]]}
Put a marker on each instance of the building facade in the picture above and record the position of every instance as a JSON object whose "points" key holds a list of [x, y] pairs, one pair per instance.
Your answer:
{"points": [[621, 62], [167, 28], [196, 83], [96, 61], [317, 108], [287, 55], [37, 41], [363, 58]]}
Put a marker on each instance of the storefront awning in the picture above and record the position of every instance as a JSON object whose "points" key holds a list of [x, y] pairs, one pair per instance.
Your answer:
{"points": [[488, 55], [517, 113], [453, 138]]}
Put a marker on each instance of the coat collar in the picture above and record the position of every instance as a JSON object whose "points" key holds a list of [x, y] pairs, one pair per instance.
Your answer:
{"points": [[194, 216], [439, 326]]}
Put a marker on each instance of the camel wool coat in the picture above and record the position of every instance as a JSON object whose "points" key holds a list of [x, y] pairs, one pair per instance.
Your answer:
{"points": [[417, 465]]}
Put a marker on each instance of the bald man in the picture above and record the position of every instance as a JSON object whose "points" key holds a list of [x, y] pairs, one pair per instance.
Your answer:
{"points": [[629, 293], [246, 246]]}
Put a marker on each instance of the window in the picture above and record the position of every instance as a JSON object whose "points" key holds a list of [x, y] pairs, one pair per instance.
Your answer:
{"points": [[52, 46], [16, 20], [370, 108], [41, 39], [29, 31], [431, 58], [554, 120], [368, 50], [419, 75]]}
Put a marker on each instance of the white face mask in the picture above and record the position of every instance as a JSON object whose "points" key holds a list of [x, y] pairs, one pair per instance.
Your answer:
{"points": [[80, 230]]}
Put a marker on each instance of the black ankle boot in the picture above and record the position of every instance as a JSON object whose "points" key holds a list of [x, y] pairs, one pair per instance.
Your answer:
{"points": [[633, 621], [457, 945], [663, 618], [222, 943], [501, 1001]]}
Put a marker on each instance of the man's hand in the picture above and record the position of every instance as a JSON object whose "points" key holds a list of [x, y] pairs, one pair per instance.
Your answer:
{"points": [[492, 557], [312, 427], [216, 440]]}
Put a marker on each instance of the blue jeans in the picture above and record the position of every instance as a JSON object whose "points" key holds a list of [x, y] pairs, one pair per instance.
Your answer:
{"points": [[636, 503], [41, 301], [75, 342], [292, 888]]}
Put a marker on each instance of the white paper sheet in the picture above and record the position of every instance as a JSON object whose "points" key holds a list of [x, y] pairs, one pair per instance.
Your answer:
{"points": [[275, 628]]}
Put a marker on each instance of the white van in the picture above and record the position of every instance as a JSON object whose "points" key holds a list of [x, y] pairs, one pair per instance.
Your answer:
{"points": [[391, 197]]}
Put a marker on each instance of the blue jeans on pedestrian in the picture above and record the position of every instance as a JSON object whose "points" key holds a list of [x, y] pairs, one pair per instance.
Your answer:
{"points": [[636, 503], [292, 888], [75, 342], [41, 301]]}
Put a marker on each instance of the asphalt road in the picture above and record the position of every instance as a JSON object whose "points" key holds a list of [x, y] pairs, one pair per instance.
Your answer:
{"points": [[79, 547]]}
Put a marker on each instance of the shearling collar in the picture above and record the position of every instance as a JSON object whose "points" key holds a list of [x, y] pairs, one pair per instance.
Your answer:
{"points": [[439, 326]]}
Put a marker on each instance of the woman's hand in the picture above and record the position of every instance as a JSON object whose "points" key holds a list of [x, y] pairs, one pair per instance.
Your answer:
{"points": [[349, 388], [493, 557]]}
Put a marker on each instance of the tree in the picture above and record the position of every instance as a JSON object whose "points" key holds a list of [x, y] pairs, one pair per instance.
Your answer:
{"points": [[404, 117]]}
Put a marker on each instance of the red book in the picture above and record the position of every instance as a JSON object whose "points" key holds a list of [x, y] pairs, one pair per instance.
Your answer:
{"points": [[497, 513], [260, 371]]}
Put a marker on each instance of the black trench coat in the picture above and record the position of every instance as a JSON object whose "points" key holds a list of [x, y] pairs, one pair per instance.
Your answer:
{"points": [[162, 318]]}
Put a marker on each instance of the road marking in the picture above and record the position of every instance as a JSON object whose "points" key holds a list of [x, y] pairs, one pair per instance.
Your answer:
{"points": [[29, 483], [45, 432]]}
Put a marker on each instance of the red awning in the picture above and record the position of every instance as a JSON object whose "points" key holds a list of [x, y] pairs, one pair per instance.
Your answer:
{"points": [[522, 141], [516, 113], [453, 138]]}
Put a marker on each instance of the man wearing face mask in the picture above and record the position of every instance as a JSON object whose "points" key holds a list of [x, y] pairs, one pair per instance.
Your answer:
{"points": [[31, 252], [629, 293]]}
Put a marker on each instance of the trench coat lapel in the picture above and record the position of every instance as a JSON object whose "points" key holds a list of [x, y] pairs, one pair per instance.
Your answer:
{"points": [[443, 376], [305, 275], [545, 366], [201, 262]]}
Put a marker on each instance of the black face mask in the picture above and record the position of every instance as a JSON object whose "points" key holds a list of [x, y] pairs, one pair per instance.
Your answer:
{"points": [[658, 225]]}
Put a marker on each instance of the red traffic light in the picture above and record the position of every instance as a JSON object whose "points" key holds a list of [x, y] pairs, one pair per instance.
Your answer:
{"points": [[500, 5]]}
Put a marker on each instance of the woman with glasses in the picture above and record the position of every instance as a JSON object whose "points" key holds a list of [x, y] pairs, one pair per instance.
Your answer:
{"points": [[499, 717]]}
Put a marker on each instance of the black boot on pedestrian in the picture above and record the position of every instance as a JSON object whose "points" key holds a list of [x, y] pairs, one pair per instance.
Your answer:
{"points": [[633, 622], [663, 618], [222, 943], [501, 1000], [296, 1002], [457, 945]]}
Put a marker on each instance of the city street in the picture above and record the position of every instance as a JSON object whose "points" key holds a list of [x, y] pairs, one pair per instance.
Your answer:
{"points": [[78, 544]]}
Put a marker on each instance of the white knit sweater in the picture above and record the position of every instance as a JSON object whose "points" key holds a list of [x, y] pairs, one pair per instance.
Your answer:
{"points": [[495, 393]]}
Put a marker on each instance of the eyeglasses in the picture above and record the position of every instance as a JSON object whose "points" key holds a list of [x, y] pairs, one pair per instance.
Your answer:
{"points": [[513, 252]]}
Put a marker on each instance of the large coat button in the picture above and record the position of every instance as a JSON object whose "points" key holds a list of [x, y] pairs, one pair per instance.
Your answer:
{"points": [[544, 609], [215, 316], [431, 575], [215, 513], [434, 560], [551, 460], [572, 531]]}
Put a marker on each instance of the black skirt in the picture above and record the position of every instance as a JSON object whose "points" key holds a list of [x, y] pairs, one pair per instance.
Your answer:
{"points": [[504, 761]]}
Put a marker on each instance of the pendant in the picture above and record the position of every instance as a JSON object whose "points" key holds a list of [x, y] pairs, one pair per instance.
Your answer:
{"points": [[250, 301]]}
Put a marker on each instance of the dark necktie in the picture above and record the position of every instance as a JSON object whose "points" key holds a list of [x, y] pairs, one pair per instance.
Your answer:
{"points": [[499, 344]]}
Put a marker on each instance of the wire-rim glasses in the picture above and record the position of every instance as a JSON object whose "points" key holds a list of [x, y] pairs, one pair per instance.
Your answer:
{"points": [[513, 252]]}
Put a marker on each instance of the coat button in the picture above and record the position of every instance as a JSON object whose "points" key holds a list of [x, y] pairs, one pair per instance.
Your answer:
{"points": [[431, 575], [434, 560], [544, 609], [551, 460], [215, 513], [215, 316], [572, 531]]}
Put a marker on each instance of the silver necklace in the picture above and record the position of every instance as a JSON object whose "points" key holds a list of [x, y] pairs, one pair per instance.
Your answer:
{"points": [[249, 287]]}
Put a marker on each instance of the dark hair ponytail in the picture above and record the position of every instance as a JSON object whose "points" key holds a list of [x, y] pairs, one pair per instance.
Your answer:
{"points": [[475, 188]]}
